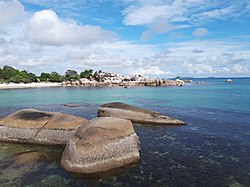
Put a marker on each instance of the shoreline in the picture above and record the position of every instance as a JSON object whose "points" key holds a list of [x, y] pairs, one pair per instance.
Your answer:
{"points": [[125, 84], [11, 86]]}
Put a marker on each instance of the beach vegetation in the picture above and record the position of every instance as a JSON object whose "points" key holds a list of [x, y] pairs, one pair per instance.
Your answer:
{"points": [[44, 77], [88, 73], [51, 77], [71, 74], [10, 74], [56, 77], [97, 72]]}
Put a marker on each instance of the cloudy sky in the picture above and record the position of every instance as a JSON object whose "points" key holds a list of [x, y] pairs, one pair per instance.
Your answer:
{"points": [[158, 38]]}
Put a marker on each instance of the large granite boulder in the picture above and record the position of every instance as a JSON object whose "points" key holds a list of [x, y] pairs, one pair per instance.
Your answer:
{"points": [[138, 115], [34, 126], [101, 144]]}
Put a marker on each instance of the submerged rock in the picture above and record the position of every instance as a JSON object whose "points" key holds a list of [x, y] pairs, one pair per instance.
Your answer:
{"points": [[34, 126], [13, 170], [122, 110], [30, 157], [188, 81], [101, 144], [71, 105]]}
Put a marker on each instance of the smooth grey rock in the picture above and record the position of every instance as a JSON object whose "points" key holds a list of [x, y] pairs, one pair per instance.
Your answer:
{"points": [[101, 144], [37, 127], [138, 115]]}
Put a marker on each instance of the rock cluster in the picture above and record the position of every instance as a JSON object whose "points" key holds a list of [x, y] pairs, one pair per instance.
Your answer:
{"points": [[37, 127], [111, 79], [103, 143]]}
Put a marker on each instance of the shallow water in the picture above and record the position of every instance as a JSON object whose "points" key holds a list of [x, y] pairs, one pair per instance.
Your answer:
{"points": [[212, 150]]}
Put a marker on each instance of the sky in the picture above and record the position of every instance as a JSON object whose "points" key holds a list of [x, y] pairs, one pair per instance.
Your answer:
{"points": [[156, 38]]}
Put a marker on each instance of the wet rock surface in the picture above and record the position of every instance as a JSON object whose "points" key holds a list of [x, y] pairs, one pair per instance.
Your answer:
{"points": [[34, 126], [71, 105], [100, 145], [135, 114]]}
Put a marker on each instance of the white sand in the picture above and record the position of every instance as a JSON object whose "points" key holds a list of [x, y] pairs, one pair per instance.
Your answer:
{"points": [[5, 86]]}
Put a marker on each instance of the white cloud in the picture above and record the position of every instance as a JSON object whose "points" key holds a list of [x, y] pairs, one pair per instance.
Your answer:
{"points": [[158, 26], [146, 13], [10, 10], [200, 32], [56, 44], [45, 28], [2, 41], [198, 51], [238, 69], [166, 60], [199, 69], [152, 70], [181, 13]]}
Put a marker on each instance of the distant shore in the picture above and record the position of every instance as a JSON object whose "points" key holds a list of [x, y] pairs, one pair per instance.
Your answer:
{"points": [[6, 86], [88, 83]]}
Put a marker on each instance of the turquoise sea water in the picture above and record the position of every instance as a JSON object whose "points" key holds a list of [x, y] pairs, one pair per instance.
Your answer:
{"points": [[212, 150]]}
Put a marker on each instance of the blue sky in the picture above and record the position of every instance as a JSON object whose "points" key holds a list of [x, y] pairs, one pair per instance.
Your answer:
{"points": [[160, 38]]}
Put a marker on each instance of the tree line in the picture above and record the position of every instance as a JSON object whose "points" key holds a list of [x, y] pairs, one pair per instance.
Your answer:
{"points": [[10, 74]]}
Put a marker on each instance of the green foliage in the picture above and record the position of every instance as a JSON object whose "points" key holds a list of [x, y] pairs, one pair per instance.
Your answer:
{"points": [[96, 73], [1, 76], [86, 73], [24, 77], [18, 78], [51, 77], [55, 77], [32, 77], [71, 74], [75, 77], [10, 74], [44, 77]]}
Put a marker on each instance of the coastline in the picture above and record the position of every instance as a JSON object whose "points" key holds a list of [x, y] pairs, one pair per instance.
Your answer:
{"points": [[89, 83], [9, 86]]}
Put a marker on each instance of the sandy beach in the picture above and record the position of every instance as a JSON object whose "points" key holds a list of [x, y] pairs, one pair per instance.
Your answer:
{"points": [[5, 86]]}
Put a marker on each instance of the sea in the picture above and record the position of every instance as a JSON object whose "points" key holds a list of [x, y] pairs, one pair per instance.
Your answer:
{"points": [[212, 150]]}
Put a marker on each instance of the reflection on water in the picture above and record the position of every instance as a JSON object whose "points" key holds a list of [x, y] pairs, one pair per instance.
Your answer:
{"points": [[212, 150]]}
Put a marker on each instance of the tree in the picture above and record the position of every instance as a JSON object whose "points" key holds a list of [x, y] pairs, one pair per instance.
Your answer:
{"points": [[71, 74], [32, 77], [44, 77], [55, 77], [1, 72], [97, 72], [17, 78], [86, 73], [23, 76], [8, 72]]}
